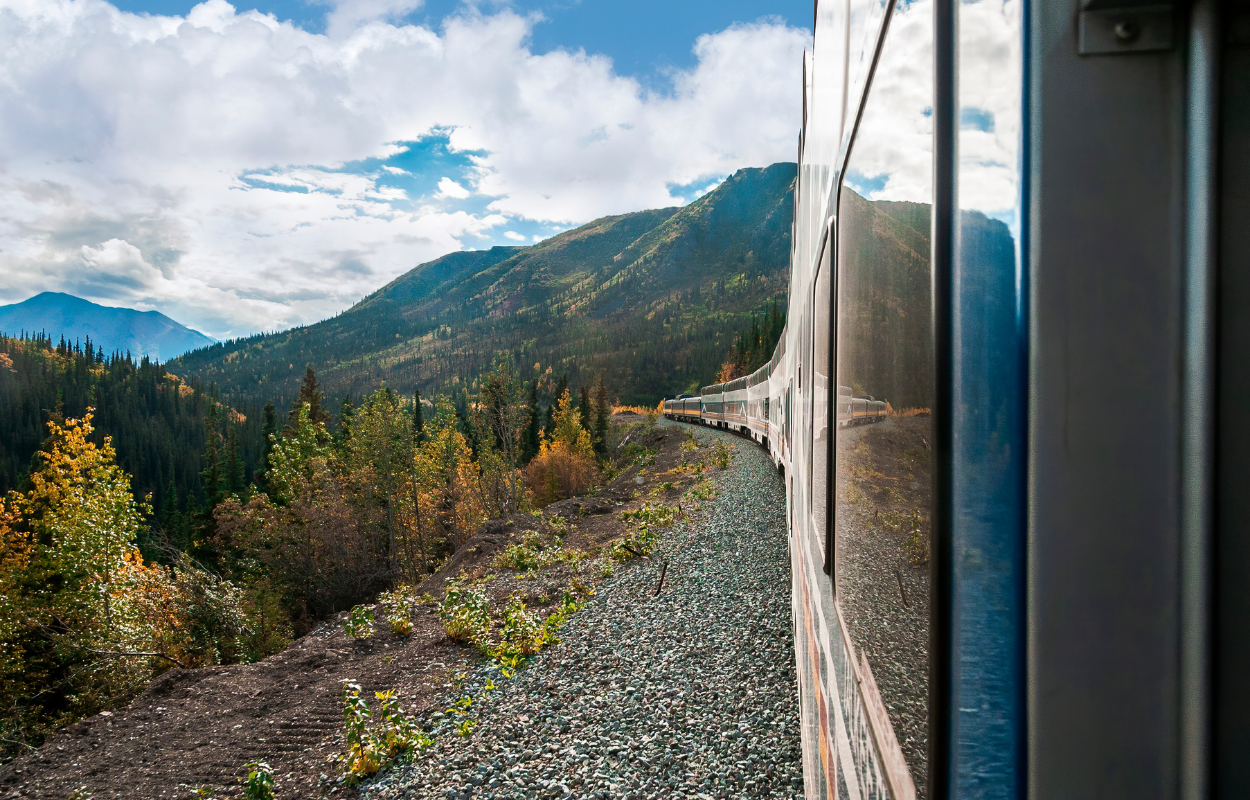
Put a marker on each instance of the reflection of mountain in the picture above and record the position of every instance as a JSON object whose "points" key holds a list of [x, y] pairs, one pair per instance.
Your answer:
{"points": [[886, 295], [143, 333], [886, 304], [653, 299], [884, 313]]}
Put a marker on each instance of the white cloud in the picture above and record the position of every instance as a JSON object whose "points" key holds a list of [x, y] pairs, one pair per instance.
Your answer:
{"points": [[449, 188], [194, 164], [514, 236]]}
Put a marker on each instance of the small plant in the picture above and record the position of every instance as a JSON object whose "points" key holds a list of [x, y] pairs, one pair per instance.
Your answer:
{"points": [[722, 455], [560, 524], [605, 568], [917, 542], [522, 556], [704, 490], [81, 793], [852, 494], [397, 604], [465, 614], [523, 634], [258, 785], [581, 588], [427, 599], [465, 727], [199, 792], [372, 747], [689, 446], [359, 622], [662, 488]]}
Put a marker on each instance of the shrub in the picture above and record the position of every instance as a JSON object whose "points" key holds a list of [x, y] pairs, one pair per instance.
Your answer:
{"points": [[397, 604], [558, 471], [258, 785], [359, 623], [523, 633], [370, 747], [465, 614], [641, 534]]}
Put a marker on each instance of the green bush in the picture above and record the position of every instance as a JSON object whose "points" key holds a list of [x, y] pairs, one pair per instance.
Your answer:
{"points": [[465, 614], [359, 623], [258, 785]]}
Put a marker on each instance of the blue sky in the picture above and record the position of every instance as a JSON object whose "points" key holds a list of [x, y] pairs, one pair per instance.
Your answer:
{"points": [[644, 38], [243, 172]]}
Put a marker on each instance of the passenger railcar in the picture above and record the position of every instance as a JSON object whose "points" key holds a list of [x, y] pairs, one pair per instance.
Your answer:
{"points": [[1018, 555]]}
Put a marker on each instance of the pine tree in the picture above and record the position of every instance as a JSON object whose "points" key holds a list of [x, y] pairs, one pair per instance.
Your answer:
{"points": [[346, 412], [532, 437], [418, 420], [233, 477], [310, 395], [602, 416], [212, 475], [267, 431], [585, 414]]}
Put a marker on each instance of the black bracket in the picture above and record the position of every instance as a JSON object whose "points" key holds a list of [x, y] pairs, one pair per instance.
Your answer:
{"points": [[1108, 27]]}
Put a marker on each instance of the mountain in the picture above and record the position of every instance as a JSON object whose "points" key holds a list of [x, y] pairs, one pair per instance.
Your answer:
{"points": [[142, 333], [652, 299]]}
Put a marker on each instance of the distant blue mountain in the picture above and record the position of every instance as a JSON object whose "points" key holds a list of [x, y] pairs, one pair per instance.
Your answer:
{"points": [[143, 333]]}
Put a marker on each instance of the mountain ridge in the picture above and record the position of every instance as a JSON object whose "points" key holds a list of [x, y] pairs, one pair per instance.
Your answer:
{"points": [[652, 299], [115, 329]]}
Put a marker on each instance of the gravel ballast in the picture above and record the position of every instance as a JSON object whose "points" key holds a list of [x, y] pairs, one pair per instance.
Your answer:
{"points": [[688, 694]]}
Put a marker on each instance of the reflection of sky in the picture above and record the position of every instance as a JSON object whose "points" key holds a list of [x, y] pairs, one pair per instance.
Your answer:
{"points": [[990, 112], [892, 155]]}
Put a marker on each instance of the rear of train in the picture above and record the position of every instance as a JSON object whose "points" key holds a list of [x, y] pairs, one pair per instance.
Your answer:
{"points": [[1010, 400]]}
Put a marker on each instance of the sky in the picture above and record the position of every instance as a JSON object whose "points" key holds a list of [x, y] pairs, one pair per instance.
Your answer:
{"points": [[253, 167]]}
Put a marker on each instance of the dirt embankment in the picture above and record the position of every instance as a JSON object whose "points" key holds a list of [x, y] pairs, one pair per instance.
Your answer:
{"points": [[198, 728]]}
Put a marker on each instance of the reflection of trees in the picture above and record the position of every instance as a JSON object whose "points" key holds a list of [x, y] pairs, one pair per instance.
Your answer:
{"points": [[885, 315]]}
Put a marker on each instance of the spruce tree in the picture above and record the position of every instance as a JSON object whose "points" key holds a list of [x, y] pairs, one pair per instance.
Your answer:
{"points": [[531, 438], [211, 475], [602, 416], [346, 412], [233, 477], [267, 431], [418, 418], [310, 394], [585, 415]]}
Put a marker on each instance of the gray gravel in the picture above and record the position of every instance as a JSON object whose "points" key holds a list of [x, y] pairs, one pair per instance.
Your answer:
{"points": [[689, 694]]}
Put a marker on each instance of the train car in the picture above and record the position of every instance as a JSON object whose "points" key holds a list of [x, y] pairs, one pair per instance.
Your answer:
{"points": [[734, 409], [758, 401], [1026, 577], [711, 404]]}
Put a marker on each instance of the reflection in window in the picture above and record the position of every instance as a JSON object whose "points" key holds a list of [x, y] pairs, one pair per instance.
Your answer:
{"points": [[820, 399], [885, 390]]}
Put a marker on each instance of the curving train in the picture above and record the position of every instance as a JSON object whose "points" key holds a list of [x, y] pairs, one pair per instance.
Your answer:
{"points": [[1026, 576]]}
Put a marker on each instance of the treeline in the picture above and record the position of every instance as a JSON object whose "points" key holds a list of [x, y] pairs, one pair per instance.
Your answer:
{"points": [[753, 347], [157, 420], [100, 592]]}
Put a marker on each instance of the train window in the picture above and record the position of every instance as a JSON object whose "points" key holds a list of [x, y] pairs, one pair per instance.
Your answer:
{"points": [[821, 370], [884, 393]]}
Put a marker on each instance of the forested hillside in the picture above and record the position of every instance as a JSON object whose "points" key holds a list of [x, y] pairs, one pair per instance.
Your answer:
{"points": [[651, 300], [156, 419]]}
